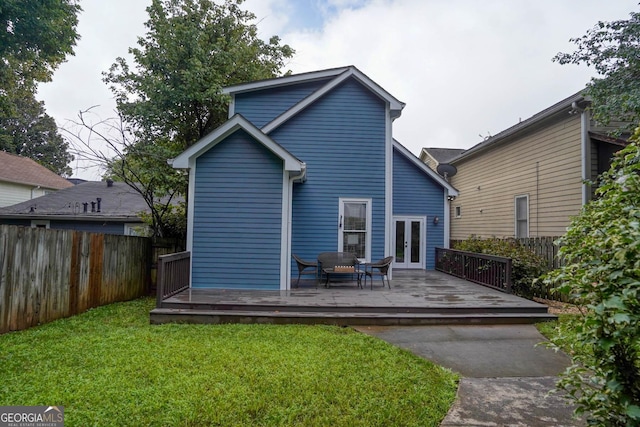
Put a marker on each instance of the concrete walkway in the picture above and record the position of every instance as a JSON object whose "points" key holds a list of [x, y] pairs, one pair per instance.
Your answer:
{"points": [[506, 375]]}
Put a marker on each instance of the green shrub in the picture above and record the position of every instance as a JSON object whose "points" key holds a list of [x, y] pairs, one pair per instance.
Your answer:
{"points": [[602, 273], [526, 265]]}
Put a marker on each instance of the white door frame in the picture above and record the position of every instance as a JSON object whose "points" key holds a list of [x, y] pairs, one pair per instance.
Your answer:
{"points": [[408, 219]]}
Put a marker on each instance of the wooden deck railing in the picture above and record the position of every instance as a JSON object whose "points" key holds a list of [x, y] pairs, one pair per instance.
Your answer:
{"points": [[487, 270], [173, 275]]}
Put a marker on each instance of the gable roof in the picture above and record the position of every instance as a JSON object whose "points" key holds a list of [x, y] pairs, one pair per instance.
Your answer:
{"points": [[22, 170], [441, 155], [237, 122], [574, 102], [423, 167], [338, 76], [118, 202]]}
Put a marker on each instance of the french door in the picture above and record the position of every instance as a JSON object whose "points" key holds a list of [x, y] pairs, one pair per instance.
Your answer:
{"points": [[410, 235]]}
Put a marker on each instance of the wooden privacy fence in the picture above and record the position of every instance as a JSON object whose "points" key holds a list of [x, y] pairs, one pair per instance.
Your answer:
{"points": [[544, 248], [487, 270], [50, 274]]}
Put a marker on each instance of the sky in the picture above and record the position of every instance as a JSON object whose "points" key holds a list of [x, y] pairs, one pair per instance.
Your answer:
{"points": [[466, 69]]}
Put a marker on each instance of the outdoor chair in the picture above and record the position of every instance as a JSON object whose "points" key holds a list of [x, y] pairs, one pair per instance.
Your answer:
{"points": [[378, 268], [303, 265]]}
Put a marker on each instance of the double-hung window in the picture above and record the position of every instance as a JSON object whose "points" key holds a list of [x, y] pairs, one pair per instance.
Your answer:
{"points": [[354, 227], [522, 216]]}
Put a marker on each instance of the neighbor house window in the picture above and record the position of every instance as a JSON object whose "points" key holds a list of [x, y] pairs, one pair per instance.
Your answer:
{"points": [[458, 211], [354, 227], [522, 216], [38, 223]]}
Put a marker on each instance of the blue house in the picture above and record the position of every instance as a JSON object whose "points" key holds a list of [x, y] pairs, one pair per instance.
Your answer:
{"points": [[306, 164]]}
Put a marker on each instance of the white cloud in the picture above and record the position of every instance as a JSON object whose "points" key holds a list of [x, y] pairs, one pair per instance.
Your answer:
{"points": [[463, 67]]}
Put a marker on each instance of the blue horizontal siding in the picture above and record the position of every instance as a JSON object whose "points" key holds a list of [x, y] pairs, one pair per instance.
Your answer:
{"points": [[415, 193], [341, 137], [106, 227], [237, 216], [262, 106]]}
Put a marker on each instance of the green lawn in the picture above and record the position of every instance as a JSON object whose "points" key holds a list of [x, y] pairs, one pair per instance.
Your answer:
{"points": [[110, 367]]}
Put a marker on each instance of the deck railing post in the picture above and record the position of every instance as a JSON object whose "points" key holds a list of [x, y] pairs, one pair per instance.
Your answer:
{"points": [[160, 278], [508, 274], [173, 275]]}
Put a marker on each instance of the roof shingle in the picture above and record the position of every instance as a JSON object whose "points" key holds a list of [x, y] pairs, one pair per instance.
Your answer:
{"points": [[22, 170]]}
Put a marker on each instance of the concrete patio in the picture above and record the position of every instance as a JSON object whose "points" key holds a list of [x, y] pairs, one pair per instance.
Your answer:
{"points": [[416, 297]]}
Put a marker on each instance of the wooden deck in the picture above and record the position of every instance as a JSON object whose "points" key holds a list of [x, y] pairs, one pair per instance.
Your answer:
{"points": [[415, 298]]}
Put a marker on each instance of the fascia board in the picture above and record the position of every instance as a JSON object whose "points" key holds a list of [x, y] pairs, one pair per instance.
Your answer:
{"points": [[522, 126], [426, 169], [183, 161], [283, 81]]}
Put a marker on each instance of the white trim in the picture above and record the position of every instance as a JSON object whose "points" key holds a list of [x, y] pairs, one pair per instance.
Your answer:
{"points": [[237, 122], [447, 221], [369, 204], [388, 187], [515, 215], [394, 107], [426, 169]]}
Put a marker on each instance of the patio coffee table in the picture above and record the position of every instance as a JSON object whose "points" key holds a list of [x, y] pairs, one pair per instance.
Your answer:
{"points": [[343, 270]]}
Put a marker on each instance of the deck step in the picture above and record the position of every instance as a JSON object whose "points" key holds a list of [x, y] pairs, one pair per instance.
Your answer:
{"points": [[341, 318], [294, 308]]}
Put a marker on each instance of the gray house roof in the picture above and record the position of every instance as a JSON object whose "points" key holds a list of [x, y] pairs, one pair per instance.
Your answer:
{"points": [[117, 202], [443, 155], [577, 100]]}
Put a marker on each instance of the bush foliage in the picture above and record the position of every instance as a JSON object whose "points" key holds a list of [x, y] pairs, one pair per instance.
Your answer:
{"points": [[602, 273], [526, 265]]}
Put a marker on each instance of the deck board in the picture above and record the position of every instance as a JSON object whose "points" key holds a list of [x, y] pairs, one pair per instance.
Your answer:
{"points": [[415, 298]]}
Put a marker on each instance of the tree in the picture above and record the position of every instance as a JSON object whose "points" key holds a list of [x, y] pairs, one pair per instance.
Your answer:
{"points": [[32, 133], [602, 273], [172, 97], [109, 144], [192, 49], [37, 36], [612, 48]]}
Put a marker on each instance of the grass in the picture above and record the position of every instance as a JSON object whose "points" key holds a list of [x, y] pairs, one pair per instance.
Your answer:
{"points": [[108, 366]]}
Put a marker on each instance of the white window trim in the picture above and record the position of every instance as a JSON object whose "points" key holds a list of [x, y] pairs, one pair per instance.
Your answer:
{"points": [[40, 222], [341, 203], [457, 211], [515, 214]]}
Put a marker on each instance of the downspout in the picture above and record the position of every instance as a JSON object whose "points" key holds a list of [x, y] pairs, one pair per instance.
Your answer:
{"points": [[286, 264], [447, 219], [585, 150]]}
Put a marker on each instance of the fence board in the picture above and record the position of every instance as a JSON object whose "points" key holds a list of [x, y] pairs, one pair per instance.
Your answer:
{"points": [[49, 274]]}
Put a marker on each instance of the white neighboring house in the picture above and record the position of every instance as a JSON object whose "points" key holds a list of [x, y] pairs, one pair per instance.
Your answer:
{"points": [[23, 179]]}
